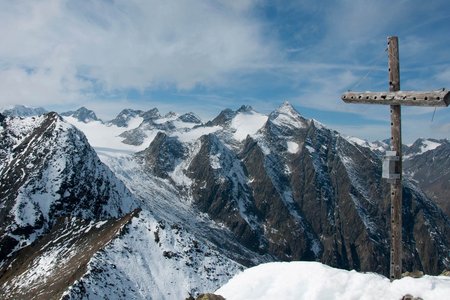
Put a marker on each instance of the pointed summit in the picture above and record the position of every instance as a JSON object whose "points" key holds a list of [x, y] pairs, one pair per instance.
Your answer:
{"points": [[124, 117], [82, 114], [287, 109], [286, 116], [245, 109], [151, 115], [190, 117]]}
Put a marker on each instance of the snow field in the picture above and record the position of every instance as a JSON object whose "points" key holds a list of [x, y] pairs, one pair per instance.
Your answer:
{"points": [[314, 281]]}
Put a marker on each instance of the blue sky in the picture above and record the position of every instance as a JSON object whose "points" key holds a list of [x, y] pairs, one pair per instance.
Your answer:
{"points": [[204, 56]]}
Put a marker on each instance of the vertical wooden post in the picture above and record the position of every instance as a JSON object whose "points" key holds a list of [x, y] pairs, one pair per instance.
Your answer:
{"points": [[396, 145]]}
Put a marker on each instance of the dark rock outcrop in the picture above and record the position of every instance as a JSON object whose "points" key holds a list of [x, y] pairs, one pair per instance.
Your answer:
{"points": [[49, 170], [82, 114], [431, 171], [309, 194], [125, 116], [162, 155]]}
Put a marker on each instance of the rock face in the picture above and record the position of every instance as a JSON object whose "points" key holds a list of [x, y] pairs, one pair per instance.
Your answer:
{"points": [[82, 114], [297, 190], [190, 118], [48, 170], [125, 116], [426, 162], [428, 165], [163, 154]]}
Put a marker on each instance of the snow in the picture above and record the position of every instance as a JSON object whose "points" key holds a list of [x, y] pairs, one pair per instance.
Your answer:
{"points": [[312, 280], [293, 147], [102, 135], [310, 149], [288, 120], [196, 133], [180, 124], [428, 145], [154, 260], [247, 123], [215, 161], [357, 141]]}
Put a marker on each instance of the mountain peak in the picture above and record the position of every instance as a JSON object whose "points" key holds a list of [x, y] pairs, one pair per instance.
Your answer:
{"points": [[286, 116], [82, 114], [151, 114], [190, 117], [125, 116], [287, 108], [223, 118], [170, 114], [22, 111], [245, 108]]}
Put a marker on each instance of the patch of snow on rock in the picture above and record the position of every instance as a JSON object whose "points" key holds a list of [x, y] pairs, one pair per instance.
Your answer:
{"points": [[293, 147], [196, 133], [428, 145], [287, 116], [247, 123]]}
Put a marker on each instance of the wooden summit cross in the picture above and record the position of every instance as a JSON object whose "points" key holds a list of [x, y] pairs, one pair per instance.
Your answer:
{"points": [[392, 162]]}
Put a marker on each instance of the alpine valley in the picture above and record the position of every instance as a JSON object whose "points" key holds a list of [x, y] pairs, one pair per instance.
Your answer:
{"points": [[151, 206]]}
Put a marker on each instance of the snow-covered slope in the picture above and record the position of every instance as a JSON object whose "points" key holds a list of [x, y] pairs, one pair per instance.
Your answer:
{"points": [[314, 281], [154, 260], [48, 170], [107, 136]]}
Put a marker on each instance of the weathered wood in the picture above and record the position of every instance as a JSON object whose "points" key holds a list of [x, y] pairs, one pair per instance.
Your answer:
{"points": [[396, 196], [393, 64], [410, 98], [396, 146], [395, 98]]}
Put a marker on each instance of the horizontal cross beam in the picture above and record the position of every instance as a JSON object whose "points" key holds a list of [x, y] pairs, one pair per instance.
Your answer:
{"points": [[435, 98]]}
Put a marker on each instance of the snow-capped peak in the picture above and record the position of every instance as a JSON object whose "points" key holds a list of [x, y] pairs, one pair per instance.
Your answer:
{"points": [[22, 111], [124, 117], [287, 116], [151, 114], [427, 145], [245, 108], [190, 117], [422, 145], [82, 114]]}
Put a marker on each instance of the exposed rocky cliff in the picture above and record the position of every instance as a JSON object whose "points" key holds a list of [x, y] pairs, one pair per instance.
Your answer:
{"points": [[428, 165], [48, 170], [299, 191]]}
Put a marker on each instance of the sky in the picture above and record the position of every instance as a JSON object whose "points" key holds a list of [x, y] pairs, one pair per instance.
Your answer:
{"points": [[205, 56]]}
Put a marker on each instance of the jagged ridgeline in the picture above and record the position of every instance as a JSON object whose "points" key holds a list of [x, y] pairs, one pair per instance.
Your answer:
{"points": [[299, 191], [213, 198]]}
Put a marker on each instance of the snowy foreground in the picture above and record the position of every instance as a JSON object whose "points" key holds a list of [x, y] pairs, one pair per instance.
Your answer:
{"points": [[311, 280]]}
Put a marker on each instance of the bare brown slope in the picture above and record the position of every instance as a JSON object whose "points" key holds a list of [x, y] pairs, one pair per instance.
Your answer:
{"points": [[62, 256]]}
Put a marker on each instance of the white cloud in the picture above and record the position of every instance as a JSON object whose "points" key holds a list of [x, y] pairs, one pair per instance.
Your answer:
{"points": [[123, 44]]}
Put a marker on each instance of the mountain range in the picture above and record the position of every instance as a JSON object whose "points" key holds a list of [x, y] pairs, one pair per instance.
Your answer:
{"points": [[166, 206]]}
